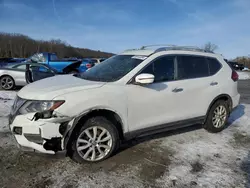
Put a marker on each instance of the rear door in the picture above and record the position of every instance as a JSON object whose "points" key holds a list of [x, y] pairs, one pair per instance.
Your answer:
{"points": [[199, 85]]}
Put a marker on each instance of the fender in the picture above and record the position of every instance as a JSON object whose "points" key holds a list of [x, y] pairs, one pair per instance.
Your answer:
{"points": [[74, 122]]}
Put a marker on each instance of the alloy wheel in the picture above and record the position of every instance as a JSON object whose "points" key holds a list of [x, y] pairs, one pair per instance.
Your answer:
{"points": [[7, 83], [94, 143], [219, 116]]}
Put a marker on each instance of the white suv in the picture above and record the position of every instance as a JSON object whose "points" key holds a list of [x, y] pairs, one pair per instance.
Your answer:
{"points": [[135, 93]]}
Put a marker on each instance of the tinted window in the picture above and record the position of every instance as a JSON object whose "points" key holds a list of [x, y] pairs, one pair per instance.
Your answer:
{"points": [[214, 65], [40, 68], [192, 67], [162, 69]]}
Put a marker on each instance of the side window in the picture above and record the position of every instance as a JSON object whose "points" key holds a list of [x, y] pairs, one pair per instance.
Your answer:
{"points": [[21, 67], [43, 69], [162, 69], [40, 69], [192, 67], [214, 65]]}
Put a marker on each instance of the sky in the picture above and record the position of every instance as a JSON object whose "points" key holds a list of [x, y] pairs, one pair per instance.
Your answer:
{"points": [[116, 25]]}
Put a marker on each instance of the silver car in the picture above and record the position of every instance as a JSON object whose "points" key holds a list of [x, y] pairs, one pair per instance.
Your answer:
{"points": [[14, 75]]}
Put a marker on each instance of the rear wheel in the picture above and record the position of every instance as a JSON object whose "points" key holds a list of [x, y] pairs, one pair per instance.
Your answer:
{"points": [[217, 117], [7, 83], [97, 140]]}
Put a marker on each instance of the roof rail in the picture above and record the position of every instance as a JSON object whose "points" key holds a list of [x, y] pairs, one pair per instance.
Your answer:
{"points": [[186, 48], [155, 45], [165, 47]]}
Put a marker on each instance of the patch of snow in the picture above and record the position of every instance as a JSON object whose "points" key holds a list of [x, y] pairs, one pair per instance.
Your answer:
{"points": [[243, 75], [6, 101], [7, 95], [217, 156]]}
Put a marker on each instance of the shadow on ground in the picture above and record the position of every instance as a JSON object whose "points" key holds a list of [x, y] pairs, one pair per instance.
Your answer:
{"points": [[237, 113]]}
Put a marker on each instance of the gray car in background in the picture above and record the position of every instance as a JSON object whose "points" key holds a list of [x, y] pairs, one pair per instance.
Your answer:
{"points": [[14, 75]]}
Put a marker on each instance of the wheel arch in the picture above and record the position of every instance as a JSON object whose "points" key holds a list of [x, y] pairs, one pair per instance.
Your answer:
{"points": [[111, 115], [6, 75], [224, 97]]}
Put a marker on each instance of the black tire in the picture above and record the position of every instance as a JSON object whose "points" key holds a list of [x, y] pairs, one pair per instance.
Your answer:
{"points": [[99, 121], [10, 78], [208, 125]]}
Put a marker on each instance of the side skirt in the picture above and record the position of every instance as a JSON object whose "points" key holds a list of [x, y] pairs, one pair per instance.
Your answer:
{"points": [[164, 127]]}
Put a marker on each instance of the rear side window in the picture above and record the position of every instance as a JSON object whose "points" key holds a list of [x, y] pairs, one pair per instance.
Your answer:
{"points": [[162, 68], [214, 65], [192, 67], [21, 67]]}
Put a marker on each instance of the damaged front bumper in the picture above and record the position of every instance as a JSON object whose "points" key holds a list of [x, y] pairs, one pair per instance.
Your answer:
{"points": [[41, 135]]}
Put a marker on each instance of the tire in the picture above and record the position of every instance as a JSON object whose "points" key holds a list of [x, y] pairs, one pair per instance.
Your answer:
{"points": [[216, 123], [7, 83], [101, 123]]}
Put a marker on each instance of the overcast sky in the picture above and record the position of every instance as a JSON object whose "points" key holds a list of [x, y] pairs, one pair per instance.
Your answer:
{"points": [[115, 25]]}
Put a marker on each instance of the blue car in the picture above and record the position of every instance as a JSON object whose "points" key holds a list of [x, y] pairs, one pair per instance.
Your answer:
{"points": [[62, 66]]}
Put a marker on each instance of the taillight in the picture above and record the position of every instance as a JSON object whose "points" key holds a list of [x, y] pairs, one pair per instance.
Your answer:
{"points": [[235, 76], [88, 65]]}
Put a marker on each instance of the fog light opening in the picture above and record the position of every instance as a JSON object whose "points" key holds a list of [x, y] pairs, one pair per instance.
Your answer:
{"points": [[18, 130]]}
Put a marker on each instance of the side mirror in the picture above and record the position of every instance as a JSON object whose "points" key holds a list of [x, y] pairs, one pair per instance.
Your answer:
{"points": [[144, 78]]}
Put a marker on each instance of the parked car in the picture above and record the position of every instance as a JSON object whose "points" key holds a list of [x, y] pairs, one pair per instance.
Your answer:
{"points": [[133, 94], [63, 65], [10, 61], [14, 75], [236, 66], [87, 63]]}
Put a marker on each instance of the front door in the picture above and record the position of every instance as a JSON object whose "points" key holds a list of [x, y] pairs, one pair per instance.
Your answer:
{"points": [[156, 103]]}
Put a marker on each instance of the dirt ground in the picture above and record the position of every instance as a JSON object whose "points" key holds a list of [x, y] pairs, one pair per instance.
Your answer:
{"points": [[189, 157]]}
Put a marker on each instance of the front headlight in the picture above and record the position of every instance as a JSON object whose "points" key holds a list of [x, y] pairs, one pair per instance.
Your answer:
{"points": [[39, 106]]}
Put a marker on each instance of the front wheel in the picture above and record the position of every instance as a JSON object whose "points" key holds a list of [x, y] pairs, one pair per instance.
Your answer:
{"points": [[217, 117], [97, 140]]}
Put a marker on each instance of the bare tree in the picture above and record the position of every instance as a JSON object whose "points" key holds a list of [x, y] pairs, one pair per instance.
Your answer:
{"points": [[210, 47]]}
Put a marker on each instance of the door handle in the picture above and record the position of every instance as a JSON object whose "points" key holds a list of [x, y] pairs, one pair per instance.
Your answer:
{"points": [[176, 90], [213, 83]]}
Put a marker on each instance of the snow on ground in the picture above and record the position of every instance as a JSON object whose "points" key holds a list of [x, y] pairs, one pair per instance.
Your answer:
{"points": [[6, 101], [243, 75], [213, 160]]}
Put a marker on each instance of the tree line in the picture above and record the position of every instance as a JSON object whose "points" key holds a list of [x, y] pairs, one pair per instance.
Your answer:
{"points": [[22, 46]]}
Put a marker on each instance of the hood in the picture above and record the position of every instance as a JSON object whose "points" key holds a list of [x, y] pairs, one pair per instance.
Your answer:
{"points": [[49, 88]]}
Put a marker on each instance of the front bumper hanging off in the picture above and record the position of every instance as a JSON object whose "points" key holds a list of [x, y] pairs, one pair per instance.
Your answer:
{"points": [[43, 135]]}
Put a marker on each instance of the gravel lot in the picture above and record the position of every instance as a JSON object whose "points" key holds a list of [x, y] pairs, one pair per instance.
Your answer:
{"points": [[189, 157]]}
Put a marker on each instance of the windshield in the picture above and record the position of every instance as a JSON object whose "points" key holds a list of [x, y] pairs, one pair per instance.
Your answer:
{"points": [[112, 69]]}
